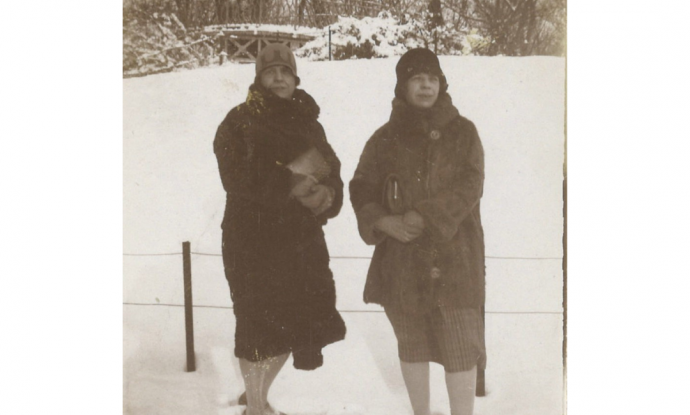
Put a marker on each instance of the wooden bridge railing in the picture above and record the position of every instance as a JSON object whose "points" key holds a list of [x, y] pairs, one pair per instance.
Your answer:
{"points": [[245, 45]]}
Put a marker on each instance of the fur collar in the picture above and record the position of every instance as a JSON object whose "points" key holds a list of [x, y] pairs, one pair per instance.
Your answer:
{"points": [[262, 102], [406, 118]]}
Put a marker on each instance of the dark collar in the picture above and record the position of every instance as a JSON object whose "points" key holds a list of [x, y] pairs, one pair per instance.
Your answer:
{"points": [[404, 117], [262, 102]]}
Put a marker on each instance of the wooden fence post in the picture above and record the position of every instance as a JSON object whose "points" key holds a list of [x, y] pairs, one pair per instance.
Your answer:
{"points": [[188, 312], [481, 387]]}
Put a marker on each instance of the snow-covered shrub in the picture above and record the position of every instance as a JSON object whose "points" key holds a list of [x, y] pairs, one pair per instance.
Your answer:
{"points": [[154, 40], [352, 38], [443, 39], [382, 36], [475, 44]]}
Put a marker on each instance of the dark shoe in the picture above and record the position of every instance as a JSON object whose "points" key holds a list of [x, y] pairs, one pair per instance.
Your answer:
{"points": [[242, 400]]}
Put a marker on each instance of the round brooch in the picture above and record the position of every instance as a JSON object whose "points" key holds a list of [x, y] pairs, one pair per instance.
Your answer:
{"points": [[435, 134]]}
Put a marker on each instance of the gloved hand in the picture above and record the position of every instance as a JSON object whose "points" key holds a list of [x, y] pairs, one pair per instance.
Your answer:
{"points": [[394, 227], [319, 200]]}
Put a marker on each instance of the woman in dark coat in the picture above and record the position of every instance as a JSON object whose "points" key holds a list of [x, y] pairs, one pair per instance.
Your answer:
{"points": [[283, 183], [416, 195]]}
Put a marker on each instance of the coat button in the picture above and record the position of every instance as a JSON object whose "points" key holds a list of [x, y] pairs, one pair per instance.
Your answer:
{"points": [[435, 273], [435, 134]]}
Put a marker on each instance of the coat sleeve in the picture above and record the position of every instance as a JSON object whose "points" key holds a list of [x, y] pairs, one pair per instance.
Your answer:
{"points": [[249, 173], [444, 212], [366, 189], [333, 180]]}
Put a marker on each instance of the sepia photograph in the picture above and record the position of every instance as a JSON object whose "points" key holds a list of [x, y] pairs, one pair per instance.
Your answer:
{"points": [[346, 207]]}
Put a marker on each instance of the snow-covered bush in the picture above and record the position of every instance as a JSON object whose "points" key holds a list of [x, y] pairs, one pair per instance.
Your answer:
{"points": [[353, 38], [475, 44], [443, 39], [385, 36], [154, 40]]}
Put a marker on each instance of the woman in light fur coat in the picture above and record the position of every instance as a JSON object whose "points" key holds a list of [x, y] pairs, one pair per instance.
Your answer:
{"points": [[416, 193]]}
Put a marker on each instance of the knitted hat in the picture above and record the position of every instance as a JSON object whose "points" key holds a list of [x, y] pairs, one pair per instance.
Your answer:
{"points": [[275, 54], [416, 61]]}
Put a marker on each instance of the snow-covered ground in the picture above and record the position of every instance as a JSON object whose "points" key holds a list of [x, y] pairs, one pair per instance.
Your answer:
{"points": [[172, 194]]}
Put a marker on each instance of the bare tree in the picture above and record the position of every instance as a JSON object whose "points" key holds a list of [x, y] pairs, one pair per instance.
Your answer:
{"points": [[514, 27], [402, 7], [435, 21]]}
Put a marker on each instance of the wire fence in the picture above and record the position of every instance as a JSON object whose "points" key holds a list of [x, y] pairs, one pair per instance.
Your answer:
{"points": [[342, 257], [336, 257], [220, 307], [189, 307]]}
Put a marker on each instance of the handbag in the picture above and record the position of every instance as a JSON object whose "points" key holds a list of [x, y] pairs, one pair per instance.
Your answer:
{"points": [[392, 195]]}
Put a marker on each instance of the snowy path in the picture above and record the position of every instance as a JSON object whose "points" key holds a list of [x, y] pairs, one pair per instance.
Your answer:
{"points": [[360, 375], [524, 373]]}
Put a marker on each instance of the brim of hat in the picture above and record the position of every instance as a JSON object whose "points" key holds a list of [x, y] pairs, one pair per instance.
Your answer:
{"points": [[271, 65]]}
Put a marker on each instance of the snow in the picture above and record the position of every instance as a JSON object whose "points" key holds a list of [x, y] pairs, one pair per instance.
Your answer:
{"points": [[360, 376], [255, 27], [387, 36], [172, 194]]}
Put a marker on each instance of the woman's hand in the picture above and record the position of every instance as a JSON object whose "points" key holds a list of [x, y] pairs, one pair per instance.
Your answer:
{"points": [[395, 227], [413, 218], [319, 199]]}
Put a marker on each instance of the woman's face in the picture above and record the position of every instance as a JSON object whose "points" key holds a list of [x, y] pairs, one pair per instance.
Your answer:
{"points": [[279, 80], [422, 90]]}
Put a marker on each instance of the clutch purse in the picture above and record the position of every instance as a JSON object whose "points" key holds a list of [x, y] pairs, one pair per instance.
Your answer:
{"points": [[392, 195]]}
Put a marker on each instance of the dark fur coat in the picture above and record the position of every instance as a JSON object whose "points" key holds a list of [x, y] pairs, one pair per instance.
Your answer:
{"points": [[274, 251]]}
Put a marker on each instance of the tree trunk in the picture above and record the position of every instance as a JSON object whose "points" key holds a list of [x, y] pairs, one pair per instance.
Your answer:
{"points": [[300, 13]]}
